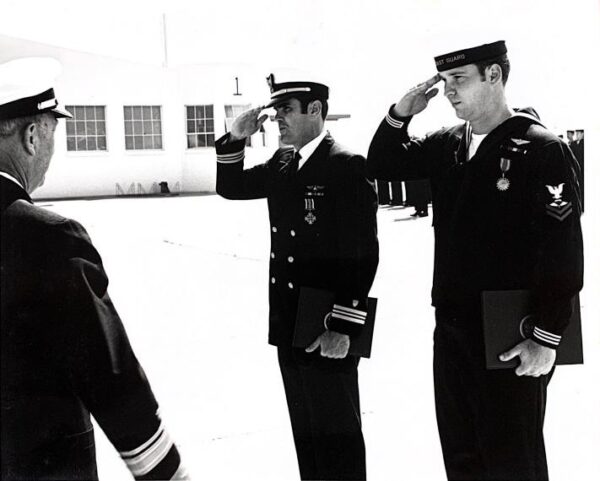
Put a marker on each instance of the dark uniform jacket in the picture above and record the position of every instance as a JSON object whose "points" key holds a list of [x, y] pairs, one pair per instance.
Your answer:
{"points": [[65, 355], [323, 229], [527, 236]]}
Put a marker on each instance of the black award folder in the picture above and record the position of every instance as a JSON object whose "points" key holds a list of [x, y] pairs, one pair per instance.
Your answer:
{"points": [[508, 320], [313, 306]]}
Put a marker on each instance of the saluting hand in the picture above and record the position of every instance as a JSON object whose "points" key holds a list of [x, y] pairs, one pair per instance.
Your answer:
{"points": [[536, 360], [247, 123], [333, 344], [417, 98]]}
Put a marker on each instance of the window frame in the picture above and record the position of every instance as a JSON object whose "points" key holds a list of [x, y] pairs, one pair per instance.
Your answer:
{"points": [[194, 120], [133, 131], [73, 122]]}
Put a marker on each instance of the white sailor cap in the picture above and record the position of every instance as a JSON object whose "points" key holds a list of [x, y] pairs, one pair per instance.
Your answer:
{"points": [[26, 88]]}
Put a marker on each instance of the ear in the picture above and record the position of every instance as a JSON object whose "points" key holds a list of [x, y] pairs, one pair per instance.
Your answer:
{"points": [[495, 74], [315, 108], [28, 138]]}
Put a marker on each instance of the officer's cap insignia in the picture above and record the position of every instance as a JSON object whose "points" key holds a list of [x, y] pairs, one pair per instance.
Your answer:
{"points": [[271, 82], [354, 303]]}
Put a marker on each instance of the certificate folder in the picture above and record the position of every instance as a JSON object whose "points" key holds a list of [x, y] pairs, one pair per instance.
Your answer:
{"points": [[313, 306], [507, 320]]}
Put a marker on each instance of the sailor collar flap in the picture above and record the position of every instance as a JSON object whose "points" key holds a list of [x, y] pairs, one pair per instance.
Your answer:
{"points": [[512, 129]]}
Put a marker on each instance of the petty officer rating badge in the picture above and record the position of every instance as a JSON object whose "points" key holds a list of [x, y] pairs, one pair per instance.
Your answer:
{"points": [[502, 184], [558, 208]]}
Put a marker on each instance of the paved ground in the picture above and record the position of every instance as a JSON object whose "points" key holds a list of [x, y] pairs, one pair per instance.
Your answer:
{"points": [[189, 278]]}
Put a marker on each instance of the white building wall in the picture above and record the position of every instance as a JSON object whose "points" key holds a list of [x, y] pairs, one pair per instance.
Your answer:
{"points": [[90, 79]]}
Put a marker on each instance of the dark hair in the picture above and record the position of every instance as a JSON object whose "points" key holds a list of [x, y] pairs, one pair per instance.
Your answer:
{"points": [[502, 61], [305, 100]]}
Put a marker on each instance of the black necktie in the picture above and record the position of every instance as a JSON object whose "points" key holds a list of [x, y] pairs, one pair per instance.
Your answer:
{"points": [[293, 165]]}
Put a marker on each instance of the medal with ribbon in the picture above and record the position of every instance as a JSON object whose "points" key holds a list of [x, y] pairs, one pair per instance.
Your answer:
{"points": [[309, 206], [503, 183]]}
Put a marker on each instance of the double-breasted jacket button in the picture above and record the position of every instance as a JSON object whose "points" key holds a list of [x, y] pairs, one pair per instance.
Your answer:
{"points": [[272, 255], [293, 233], [290, 259], [272, 280], [290, 285], [274, 229]]}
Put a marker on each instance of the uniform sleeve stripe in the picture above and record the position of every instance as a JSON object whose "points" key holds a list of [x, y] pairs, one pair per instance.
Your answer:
{"points": [[232, 154], [353, 316], [546, 333], [546, 336], [337, 315], [361, 315], [349, 310], [397, 124], [142, 447], [149, 454], [230, 158]]}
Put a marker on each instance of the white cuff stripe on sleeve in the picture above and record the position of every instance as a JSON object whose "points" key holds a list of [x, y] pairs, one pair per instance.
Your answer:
{"points": [[146, 457], [142, 447], [230, 158], [397, 124], [349, 310], [546, 336], [348, 314], [337, 315]]}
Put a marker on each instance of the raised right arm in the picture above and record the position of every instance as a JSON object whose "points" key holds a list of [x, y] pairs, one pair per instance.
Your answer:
{"points": [[392, 154]]}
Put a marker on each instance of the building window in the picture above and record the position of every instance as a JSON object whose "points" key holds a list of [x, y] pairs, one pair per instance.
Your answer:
{"points": [[200, 126], [143, 130], [87, 129], [231, 112]]}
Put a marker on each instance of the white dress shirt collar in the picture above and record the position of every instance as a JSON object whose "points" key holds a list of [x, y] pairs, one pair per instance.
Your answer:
{"points": [[309, 149]]}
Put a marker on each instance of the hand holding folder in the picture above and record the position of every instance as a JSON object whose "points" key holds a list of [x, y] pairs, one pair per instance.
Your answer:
{"points": [[313, 306], [507, 317]]}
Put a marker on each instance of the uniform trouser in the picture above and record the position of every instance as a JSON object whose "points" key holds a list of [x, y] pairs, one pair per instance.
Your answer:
{"points": [[490, 421], [383, 192], [323, 402], [397, 195]]}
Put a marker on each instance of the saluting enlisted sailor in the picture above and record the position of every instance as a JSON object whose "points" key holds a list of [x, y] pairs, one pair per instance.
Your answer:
{"points": [[322, 210], [65, 354], [506, 216]]}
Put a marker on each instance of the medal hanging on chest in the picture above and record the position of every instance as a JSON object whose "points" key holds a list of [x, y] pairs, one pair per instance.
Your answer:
{"points": [[502, 184], [309, 207]]}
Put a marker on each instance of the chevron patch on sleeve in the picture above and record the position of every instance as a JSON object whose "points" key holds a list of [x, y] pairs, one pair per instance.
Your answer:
{"points": [[559, 213], [558, 208]]}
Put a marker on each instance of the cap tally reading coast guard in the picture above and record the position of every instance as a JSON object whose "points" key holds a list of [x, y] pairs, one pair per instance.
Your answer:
{"points": [[469, 55], [26, 88], [287, 90]]}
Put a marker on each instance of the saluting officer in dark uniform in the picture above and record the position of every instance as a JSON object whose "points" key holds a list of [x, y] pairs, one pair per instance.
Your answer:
{"points": [[322, 210], [65, 354], [506, 216]]}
